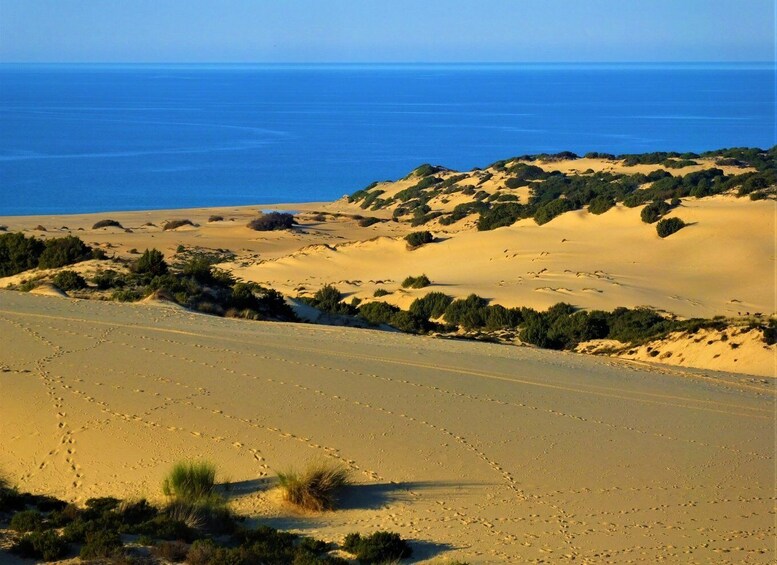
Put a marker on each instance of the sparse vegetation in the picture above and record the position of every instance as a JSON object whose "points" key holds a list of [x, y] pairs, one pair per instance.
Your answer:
{"points": [[107, 224], [272, 222], [315, 488], [420, 281], [380, 547]]}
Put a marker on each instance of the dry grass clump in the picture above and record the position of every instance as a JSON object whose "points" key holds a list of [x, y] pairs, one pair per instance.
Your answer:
{"points": [[190, 481], [316, 487]]}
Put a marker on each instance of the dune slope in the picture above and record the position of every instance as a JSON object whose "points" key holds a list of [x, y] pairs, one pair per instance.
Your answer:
{"points": [[474, 451]]}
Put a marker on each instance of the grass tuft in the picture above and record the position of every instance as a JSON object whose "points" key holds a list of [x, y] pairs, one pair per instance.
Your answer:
{"points": [[316, 488], [190, 481]]}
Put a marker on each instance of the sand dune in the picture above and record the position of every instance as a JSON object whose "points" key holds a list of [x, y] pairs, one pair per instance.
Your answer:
{"points": [[474, 451]]}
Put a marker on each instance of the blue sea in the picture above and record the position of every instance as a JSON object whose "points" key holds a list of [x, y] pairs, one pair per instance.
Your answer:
{"points": [[126, 137]]}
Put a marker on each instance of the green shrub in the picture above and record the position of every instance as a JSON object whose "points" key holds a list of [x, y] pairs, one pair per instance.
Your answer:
{"points": [[152, 262], [653, 211], [101, 544], [26, 521], [367, 222], [215, 218], [18, 253], [468, 312], [47, 546], [107, 224], [316, 488], [380, 292], [69, 280], [173, 224], [171, 551], [502, 215], [380, 547], [600, 204], [190, 481], [62, 251], [408, 322], [272, 221], [328, 299], [377, 313], [108, 279], [547, 212], [431, 306], [418, 238], [668, 226], [420, 281]]}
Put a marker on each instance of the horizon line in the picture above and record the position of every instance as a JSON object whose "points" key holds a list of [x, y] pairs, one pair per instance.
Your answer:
{"points": [[380, 63]]}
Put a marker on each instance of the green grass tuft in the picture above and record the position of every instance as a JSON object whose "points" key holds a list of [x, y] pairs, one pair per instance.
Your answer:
{"points": [[316, 488], [190, 481]]}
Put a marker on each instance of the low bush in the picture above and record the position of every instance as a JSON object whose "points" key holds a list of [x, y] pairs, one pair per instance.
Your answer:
{"points": [[48, 546], [26, 521], [380, 547], [101, 544], [152, 262], [18, 253], [418, 238], [171, 551], [420, 281], [380, 292], [190, 481], [547, 212], [600, 204], [173, 224], [107, 224], [377, 313], [272, 222], [69, 280], [329, 299], [668, 226], [108, 279], [367, 222], [653, 211], [468, 313], [62, 251], [315, 488], [431, 306], [215, 218]]}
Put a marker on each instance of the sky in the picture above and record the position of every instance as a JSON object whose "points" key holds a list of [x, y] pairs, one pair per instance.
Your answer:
{"points": [[382, 31]]}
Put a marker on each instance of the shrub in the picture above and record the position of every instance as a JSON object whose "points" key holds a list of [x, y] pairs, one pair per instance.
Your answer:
{"points": [[328, 299], [367, 222], [18, 253], [502, 215], [173, 224], [216, 218], [26, 521], [547, 212], [209, 514], [380, 547], [431, 306], [420, 281], [107, 224], [62, 251], [272, 221], [152, 262], [468, 312], [172, 551], [600, 204], [668, 226], [380, 292], [69, 280], [378, 312], [101, 544], [41, 545], [190, 481], [316, 488], [418, 238], [653, 211], [408, 322], [108, 279]]}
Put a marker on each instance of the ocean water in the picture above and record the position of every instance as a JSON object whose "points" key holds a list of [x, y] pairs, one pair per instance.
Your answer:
{"points": [[99, 138]]}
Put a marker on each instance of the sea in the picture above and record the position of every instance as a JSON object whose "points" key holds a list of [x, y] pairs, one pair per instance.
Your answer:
{"points": [[92, 138]]}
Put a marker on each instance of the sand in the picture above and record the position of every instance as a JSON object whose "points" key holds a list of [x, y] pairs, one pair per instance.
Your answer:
{"points": [[474, 451]]}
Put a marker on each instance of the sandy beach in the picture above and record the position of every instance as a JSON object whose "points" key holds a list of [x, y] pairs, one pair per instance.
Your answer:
{"points": [[472, 451]]}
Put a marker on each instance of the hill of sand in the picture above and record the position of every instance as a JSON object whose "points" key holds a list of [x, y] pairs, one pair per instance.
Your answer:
{"points": [[473, 451]]}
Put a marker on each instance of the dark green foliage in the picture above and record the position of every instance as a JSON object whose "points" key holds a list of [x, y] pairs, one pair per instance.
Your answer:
{"points": [[377, 313], [47, 545], [164, 527], [600, 204], [379, 547], [408, 322], [173, 224], [654, 211], [380, 292], [633, 325], [461, 211], [26, 521], [152, 262], [419, 238], [679, 163], [425, 218], [171, 551], [107, 224], [367, 222], [190, 481], [216, 218], [547, 212], [62, 251], [69, 280], [431, 306], [668, 226], [468, 313], [272, 221], [18, 253], [328, 299], [496, 317], [108, 279], [101, 544], [502, 215], [420, 281]]}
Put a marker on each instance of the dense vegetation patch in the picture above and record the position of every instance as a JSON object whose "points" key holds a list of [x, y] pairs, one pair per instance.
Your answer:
{"points": [[418, 238], [107, 224], [173, 224], [19, 253], [272, 221], [420, 281], [668, 226]]}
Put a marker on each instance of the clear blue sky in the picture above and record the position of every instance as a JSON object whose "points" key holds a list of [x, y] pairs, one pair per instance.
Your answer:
{"points": [[386, 30]]}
